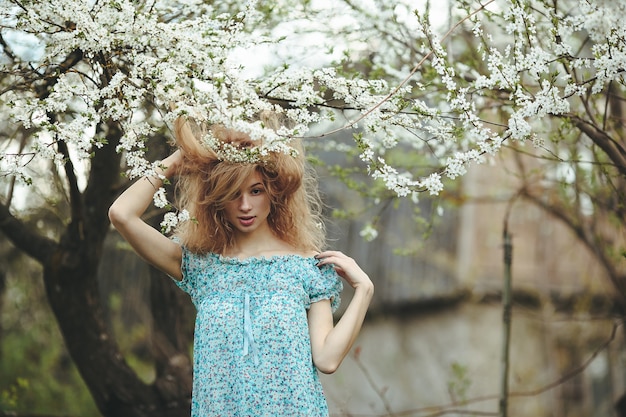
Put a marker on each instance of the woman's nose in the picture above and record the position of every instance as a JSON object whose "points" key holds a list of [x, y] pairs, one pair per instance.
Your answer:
{"points": [[244, 203]]}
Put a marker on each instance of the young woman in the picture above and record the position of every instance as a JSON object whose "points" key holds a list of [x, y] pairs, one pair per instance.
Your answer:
{"points": [[253, 264]]}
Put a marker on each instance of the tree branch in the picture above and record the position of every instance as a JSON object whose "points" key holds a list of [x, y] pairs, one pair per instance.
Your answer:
{"points": [[23, 237], [52, 74], [6, 48], [104, 174], [614, 150], [591, 242], [447, 409], [75, 198]]}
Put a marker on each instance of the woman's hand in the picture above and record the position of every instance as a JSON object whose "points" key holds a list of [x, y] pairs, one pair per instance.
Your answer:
{"points": [[347, 268], [331, 343]]}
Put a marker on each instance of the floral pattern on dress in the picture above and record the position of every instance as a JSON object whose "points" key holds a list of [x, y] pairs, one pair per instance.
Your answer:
{"points": [[252, 352]]}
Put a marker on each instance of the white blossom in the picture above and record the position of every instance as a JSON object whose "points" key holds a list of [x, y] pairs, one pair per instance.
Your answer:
{"points": [[189, 53], [160, 198], [432, 183], [368, 232], [172, 219]]}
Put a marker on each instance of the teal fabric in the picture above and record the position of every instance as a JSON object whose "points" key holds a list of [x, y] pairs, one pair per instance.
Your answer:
{"points": [[252, 352]]}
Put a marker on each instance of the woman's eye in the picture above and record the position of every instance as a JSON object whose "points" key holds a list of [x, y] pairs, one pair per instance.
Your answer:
{"points": [[256, 191]]}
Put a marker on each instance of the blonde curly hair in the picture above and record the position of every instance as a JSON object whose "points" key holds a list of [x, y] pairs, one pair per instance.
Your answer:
{"points": [[206, 183]]}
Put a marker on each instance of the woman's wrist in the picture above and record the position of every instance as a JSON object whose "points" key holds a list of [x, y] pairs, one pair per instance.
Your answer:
{"points": [[367, 288], [166, 167], [162, 169]]}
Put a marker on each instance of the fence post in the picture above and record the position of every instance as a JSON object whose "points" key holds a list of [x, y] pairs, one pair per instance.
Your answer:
{"points": [[506, 322]]}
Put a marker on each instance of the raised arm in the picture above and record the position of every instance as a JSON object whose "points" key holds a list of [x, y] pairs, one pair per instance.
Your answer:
{"points": [[125, 215], [331, 343]]}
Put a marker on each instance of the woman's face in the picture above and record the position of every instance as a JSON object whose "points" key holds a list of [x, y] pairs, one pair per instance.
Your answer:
{"points": [[249, 211]]}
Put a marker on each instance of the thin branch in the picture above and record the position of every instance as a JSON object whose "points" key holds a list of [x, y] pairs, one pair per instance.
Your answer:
{"points": [[13, 179], [555, 158], [370, 380], [7, 49], [461, 411], [408, 77], [606, 106], [375, 24], [574, 372], [75, 198], [434, 411], [438, 413], [614, 150], [591, 242]]}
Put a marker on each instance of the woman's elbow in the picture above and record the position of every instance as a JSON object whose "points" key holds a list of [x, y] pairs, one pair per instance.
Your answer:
{"points": [[327, 367], [117, 216]]}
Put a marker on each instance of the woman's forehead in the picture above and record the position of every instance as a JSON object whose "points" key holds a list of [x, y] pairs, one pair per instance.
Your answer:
{"points": [[253, 179]]}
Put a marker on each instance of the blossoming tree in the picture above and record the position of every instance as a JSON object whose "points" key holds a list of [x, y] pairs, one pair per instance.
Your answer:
{"points": [[84, 86], [542, 78]]}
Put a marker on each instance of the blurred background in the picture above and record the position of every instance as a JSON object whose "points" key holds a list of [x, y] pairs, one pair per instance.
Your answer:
{"points": [[86, 326], [433, 340]]}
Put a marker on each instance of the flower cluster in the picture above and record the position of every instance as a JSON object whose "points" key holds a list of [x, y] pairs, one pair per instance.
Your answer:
{"points": [[172, 219], [129, 64], [369, 232]]}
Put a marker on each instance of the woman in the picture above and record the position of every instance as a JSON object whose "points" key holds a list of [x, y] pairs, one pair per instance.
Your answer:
{"points": [[253, 264]]}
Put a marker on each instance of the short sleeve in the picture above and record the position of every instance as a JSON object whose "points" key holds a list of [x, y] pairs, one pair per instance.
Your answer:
{"points": [[325, 285], [186, 283], [193, 267]]}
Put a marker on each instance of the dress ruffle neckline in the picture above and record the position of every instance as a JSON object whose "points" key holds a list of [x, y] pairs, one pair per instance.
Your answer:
{"points": [[262, 259]]}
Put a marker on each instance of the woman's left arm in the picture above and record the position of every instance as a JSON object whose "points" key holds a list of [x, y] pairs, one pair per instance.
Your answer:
{"points": [[331, 343]]}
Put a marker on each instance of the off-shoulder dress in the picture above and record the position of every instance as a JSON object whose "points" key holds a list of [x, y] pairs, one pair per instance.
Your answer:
{"points": [[252, 352]]}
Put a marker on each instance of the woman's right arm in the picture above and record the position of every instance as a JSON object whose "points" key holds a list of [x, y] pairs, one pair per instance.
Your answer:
{"points": [[125, 215]]}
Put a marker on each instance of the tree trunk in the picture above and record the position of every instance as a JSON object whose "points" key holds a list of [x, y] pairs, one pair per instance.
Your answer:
{"points": [[172, 311], [620, 406], [71, 281], [171, 336], [2, 289], [72, 289], [70, 277]]}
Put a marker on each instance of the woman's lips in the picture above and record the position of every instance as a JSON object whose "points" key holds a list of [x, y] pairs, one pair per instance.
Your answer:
{"points": [[246, 221]]}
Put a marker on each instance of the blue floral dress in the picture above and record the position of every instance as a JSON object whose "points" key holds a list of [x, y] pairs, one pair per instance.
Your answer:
{"points": [[252, 352]]}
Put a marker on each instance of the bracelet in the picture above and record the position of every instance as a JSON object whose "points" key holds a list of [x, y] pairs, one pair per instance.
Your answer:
{"points": [[149, 179]]}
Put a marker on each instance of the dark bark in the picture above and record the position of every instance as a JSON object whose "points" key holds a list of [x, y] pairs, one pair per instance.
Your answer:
{"points": [[71, 285], [70, 277], [170, 338], [2, 288], [15, 414], [173, 314], [28, 241], [611, 147], [620, 406]]}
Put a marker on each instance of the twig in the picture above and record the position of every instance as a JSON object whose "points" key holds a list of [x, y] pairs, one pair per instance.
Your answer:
{"points": [[372, 383], [434, 411], [408, 77]]}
